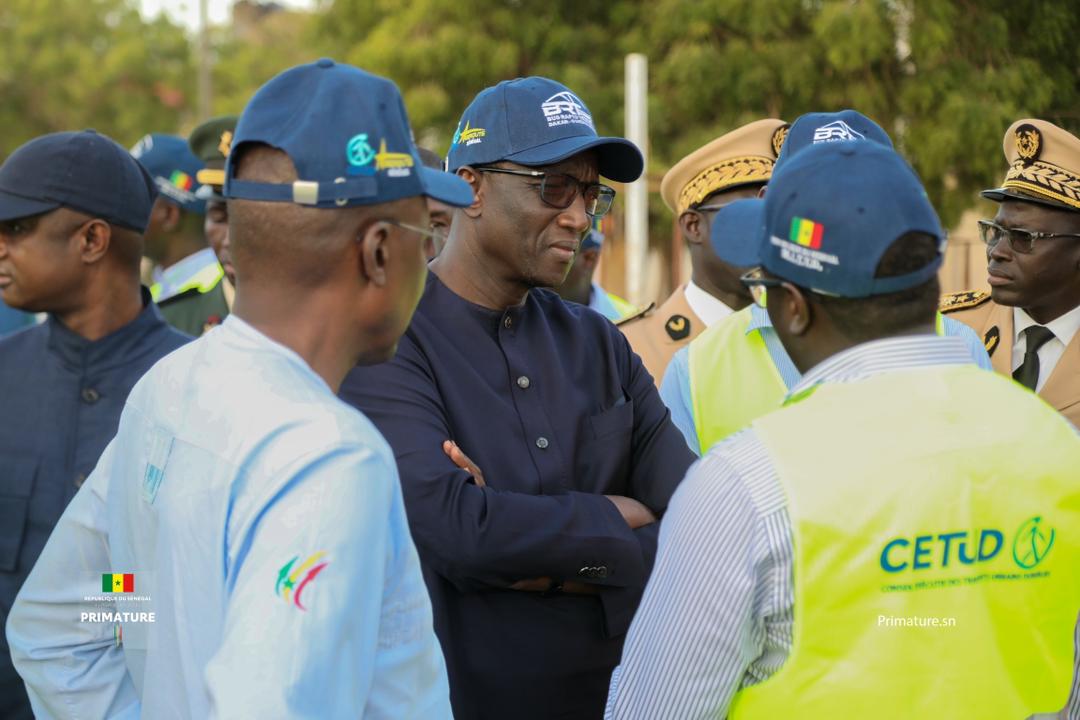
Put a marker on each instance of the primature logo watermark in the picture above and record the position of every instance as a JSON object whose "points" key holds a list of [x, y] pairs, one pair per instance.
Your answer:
{"points": [[915, 621]]}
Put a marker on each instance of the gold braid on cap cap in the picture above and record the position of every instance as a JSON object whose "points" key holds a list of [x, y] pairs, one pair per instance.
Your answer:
{"points": [[1044, 180], [729, 173]]}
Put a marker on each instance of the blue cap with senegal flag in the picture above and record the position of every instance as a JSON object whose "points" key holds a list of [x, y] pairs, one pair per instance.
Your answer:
{"points": [[174, 168], [829, 216], [347, 134]]}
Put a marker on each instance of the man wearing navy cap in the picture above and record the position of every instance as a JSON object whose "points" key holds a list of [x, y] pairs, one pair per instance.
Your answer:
{"points": [[188, 290], [738, 369], [802, 559], [257, 516], [537, 548], [579, 286], [73, 207]]}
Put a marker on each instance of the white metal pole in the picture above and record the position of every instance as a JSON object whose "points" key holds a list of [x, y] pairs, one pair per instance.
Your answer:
{"points": [[204, 81], [637, 192]]}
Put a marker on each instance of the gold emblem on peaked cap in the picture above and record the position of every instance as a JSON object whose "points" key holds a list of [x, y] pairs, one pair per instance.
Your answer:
{"points": [[225, 146], [779, 136], [1028, 143]]}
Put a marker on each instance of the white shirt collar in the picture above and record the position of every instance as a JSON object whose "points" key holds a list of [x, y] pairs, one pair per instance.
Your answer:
{"points": [[705, 306], [1064, 327]]}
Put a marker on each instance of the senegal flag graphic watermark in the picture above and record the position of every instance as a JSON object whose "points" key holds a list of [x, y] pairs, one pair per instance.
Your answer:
{"points": [[118, 582], [293, 578]]}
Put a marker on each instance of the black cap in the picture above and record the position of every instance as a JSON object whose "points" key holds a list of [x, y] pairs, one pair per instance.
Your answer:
{"points": [[83, 171]]}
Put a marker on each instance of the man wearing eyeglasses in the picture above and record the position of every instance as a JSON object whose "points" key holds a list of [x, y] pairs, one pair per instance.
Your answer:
{"points": [[733, 166], [883, 545], [534, 451], [1029, 321]]}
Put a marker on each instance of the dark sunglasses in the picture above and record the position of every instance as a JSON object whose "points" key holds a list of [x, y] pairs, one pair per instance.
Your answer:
{"points": [[560, 191], [1021, 241]]}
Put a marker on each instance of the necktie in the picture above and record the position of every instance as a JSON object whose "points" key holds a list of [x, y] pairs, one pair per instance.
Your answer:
{"points": [[1028, 372]]}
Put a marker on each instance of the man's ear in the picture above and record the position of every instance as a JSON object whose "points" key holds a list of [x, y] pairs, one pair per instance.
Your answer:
{"points": [[798, 308], [690, 222], [170, 216], [374, 253], [94, 237], [472, 177]]}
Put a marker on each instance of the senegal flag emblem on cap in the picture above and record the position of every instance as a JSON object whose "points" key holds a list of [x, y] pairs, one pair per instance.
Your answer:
{"points": [[181, 180], [118, 582], [806, 233]]}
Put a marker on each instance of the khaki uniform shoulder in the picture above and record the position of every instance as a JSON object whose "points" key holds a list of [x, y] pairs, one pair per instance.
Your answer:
{"points": [[952, 302]]}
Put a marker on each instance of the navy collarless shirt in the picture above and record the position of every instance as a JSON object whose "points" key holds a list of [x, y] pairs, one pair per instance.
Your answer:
{"points": [[60, 401], [555, 409]]}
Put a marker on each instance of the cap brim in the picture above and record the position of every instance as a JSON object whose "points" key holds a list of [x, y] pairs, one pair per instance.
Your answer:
{"points": [[1001, 194], [446, 187], [619, 159], [736, 232], [13, 207]]}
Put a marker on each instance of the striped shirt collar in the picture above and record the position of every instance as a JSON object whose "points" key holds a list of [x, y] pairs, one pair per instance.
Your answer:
{"points": [[887, 355]]}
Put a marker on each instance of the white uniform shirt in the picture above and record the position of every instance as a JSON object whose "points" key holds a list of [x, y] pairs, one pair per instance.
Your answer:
{"points": [[1064, 329]]}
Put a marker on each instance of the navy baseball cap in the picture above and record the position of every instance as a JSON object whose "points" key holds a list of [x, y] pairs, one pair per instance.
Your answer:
{"points": [[829, 127], [83, 171], [832, 212], [173, 167], [347, 134], [536, 121], [736, 230]]}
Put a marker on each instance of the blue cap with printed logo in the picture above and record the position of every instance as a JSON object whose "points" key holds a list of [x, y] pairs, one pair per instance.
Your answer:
{"points": [[536, 121], [829, 127], [83, 171], [173, 166], [831, 213], [347, 134]]}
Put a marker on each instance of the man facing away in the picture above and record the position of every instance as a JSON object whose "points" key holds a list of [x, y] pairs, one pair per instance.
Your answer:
{"points": [[258, 517], [899, 540], [536, 550]]}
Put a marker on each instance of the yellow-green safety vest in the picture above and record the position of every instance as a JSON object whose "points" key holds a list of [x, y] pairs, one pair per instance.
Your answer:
{"points": [[733, 379], [956, 501]]}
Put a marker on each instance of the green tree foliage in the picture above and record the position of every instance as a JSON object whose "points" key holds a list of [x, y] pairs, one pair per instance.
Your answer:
{"points": [[74, 64]]}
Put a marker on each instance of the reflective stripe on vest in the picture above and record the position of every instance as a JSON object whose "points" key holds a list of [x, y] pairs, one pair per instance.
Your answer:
{"points": [[951, 496], [200, 271], [733, 379]]}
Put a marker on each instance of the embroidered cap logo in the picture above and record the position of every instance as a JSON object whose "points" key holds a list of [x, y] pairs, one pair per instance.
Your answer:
{"points": [[565, 108], [836, 131], [293, 579]]}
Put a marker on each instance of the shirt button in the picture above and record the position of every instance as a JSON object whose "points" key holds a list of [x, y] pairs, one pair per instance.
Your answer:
{"points": [[90, 396], [79, 480], [523, 382], [542, 443], [507, 321]]}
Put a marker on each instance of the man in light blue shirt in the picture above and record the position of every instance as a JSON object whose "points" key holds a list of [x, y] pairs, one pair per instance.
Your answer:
{"points": [[241, 549]]}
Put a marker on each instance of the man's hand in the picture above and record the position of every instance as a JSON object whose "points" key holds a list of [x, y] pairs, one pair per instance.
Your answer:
{"points": [[462, 460], [634, 513]]}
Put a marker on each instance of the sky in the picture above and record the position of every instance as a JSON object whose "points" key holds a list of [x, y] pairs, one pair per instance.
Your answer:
{"points": [[186, 12]]}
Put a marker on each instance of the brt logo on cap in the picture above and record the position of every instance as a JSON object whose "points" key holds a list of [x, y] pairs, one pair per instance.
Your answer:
{"points": [[837, 130], [565, 108]]}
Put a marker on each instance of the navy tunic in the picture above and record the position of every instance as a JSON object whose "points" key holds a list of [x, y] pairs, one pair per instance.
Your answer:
{"points": [[556, 410], [60, 402]]}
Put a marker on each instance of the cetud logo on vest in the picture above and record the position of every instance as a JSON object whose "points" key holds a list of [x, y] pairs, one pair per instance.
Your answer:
{"points": [[1030, 546]]}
